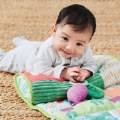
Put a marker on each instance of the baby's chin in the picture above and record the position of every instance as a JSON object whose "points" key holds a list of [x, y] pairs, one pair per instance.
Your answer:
{"points": [[72, 56], [68, 56]]}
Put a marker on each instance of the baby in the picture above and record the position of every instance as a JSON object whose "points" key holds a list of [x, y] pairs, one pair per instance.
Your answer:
{"points": [[66, 54]]}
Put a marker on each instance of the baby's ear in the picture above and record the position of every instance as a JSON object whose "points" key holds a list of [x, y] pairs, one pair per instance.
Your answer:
{"points": [[53, 28]]}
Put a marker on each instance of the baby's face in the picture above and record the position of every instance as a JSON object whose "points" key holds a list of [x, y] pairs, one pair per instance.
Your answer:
{"points": [[69, 43]]}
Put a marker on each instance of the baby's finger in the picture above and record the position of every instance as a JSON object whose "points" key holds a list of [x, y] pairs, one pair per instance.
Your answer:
{"points": [[74, 74], [72, 79], [80, 78]]}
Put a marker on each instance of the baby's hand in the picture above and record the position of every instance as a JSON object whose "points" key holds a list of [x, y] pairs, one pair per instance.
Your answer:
{"points": [[71, 74], [83, 74], [75, 74]]}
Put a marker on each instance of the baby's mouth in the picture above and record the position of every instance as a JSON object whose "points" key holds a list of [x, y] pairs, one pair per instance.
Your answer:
{"points": [[65, 52]]}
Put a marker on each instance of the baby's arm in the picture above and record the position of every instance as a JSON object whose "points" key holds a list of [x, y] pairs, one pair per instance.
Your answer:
{"points": [[89, 65], [45, 63]]}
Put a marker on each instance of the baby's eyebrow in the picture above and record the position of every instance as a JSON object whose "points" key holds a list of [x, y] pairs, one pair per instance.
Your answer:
{"points": [[66, 34], [82, 41]]}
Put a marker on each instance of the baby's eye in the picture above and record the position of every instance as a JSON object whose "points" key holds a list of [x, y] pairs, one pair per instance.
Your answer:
{"points": [[79, 44], [65, 38]]}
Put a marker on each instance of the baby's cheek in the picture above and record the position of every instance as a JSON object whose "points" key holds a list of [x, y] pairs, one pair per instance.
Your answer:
{"points": [[79, 53]]}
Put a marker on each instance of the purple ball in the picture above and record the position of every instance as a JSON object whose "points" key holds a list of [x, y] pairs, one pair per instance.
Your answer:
{"points": [[77, 93]]}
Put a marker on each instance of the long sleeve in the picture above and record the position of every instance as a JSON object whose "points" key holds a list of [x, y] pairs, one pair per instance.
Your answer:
{"points": [[45, 62], [89, 61]]}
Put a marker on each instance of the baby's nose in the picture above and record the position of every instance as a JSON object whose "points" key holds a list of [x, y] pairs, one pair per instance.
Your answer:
{"points": [[70, 48]]}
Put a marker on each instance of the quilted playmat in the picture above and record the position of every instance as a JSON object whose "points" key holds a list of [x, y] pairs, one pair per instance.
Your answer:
{"points": [[106, 108]]}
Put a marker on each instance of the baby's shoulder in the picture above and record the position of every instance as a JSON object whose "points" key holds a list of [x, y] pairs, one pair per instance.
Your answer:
{"points": [[47, 47], [47, 43]]}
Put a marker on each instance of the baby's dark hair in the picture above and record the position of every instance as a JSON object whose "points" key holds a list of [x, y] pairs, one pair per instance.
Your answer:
{"points": [[79, 17]]}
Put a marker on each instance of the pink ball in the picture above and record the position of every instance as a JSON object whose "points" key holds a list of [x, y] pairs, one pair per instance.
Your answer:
{"points": [[77, 93]]}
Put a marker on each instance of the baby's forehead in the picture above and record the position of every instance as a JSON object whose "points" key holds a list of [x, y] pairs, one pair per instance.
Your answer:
{"points": [[76, 27], [70, 32]]}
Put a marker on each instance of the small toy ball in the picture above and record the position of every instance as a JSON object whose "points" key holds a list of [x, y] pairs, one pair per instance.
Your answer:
{"points": [[77, 93]]}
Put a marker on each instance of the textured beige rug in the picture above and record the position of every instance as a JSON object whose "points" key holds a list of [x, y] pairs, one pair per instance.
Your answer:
{"points": [[33, 19]]}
